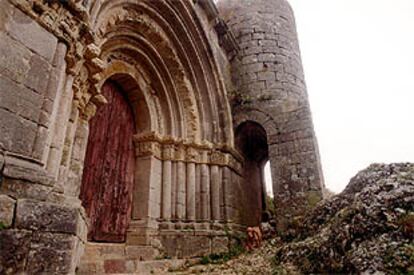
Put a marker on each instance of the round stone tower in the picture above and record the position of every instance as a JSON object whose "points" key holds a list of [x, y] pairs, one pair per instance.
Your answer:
{"points": [[271, 92]]}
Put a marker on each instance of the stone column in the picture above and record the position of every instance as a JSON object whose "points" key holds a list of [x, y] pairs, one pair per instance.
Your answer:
{"points": [[198, 191], [205, 192], [190, 194], [173, 189], [226, 191], [56, 147], [76, 165], [215, 193], [180, 204], [166, 190]]}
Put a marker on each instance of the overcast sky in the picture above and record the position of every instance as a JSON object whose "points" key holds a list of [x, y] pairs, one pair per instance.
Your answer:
{"points": [[358, 57]]}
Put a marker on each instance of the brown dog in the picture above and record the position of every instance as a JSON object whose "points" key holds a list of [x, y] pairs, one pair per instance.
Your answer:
{"points": [[254, 238]]}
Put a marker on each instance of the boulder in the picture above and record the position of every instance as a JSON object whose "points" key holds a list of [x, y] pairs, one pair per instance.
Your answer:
{"points": [[367, 228]]}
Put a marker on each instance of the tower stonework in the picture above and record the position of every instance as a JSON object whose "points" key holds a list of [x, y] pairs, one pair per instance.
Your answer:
{"points": [[270, 90], [138, 129]]}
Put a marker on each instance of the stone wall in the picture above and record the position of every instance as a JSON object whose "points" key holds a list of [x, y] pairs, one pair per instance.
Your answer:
{"points": [[271, 90], [54, 59], [37, 221]]}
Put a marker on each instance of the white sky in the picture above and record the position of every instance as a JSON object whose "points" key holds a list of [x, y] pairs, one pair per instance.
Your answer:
{"points": [[358, 58]]}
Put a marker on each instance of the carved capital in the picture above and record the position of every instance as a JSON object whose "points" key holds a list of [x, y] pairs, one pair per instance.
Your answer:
{"points": [[218, 158], [168, 151], [175, 149], [145, 149]]}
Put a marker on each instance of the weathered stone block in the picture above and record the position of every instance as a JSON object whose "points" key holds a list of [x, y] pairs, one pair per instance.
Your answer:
{"points": [[88, 268], [14, 59], [20, 169], [52, 254], [219, 245], [196, 246], [6, 10], [119, 266], [23, 189], [143, 253], [266, 76], [186, 245], [19, 100], [44, 216], [7, 205], [14, 250], [32, 35], [17, 133], [40, 143], [38, 75]]}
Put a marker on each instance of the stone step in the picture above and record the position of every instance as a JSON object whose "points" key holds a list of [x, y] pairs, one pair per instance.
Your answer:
{"points": [[123, 266], [103, 251], [110, 258]]}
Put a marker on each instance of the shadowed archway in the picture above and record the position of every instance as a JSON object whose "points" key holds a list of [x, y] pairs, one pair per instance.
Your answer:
{"points": [[251, 140]]}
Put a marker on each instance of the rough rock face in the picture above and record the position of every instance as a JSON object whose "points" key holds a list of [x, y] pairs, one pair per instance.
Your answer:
{"points": [[369, 227]]}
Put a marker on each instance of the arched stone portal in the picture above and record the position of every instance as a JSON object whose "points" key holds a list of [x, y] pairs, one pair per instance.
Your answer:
{"points": [[108, 175], [251, 140], [173, 61]]}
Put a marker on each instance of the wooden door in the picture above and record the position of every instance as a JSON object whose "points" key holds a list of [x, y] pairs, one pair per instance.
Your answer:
{"points": [[108, 175]]}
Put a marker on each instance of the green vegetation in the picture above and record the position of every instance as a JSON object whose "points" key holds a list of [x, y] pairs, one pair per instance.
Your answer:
{"points": [[313, 198], [2, 225], [270, 203]]}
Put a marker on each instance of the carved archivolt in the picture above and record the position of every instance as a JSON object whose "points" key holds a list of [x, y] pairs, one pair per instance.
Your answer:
{"points": [[86, 62], [141, 25]]}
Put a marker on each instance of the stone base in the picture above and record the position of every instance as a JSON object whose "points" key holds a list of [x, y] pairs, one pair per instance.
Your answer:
{"points": [[24, 250], [100, 258], [193, 243], [36, 229]]}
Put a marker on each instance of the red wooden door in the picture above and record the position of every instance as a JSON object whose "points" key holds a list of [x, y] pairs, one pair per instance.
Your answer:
{"points": [[108, 175]]}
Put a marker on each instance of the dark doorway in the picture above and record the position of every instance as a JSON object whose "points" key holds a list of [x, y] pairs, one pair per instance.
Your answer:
{"points": [[108, 176], [251, 140]]}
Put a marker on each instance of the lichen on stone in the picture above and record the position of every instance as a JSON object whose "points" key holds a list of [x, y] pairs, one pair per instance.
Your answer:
{"points": [[369, 227]]}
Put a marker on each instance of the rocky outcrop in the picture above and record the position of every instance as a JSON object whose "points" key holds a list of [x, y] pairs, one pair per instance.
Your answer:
{"points": [[369, 227]]}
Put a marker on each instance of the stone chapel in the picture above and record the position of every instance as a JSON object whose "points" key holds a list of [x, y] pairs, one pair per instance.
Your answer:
{"points": [[142, 127]]}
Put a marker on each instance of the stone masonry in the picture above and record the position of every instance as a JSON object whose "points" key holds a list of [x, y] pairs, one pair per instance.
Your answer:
{"points": [[271, 90], [212, 97]]}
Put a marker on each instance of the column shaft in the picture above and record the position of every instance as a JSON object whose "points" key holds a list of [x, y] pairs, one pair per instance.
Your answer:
{"points": [[215, 193], [205, 192], [180, 206], [190, 191], [166, 190]]}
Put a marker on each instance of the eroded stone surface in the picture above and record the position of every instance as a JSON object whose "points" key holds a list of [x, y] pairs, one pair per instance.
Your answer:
{"points": [[52, 253], [7, 205], [44, 216], [271, 91], [15, 246], [32, 35], [368, 228]]}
